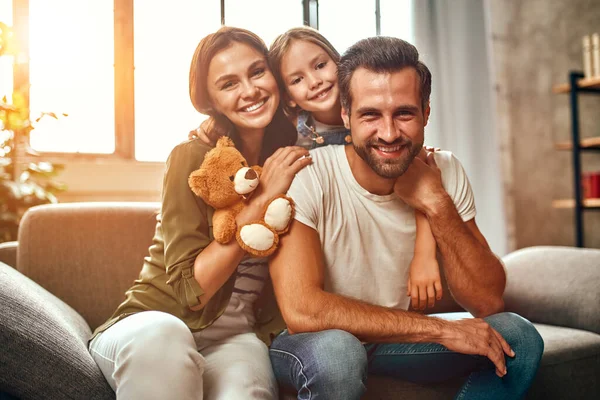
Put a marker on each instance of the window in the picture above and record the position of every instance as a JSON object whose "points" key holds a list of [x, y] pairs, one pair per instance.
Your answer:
{"points": [[344, 24], [165, 38], [397, 19], [71, 71], [73, 68], [6, 69], [266, 18]]}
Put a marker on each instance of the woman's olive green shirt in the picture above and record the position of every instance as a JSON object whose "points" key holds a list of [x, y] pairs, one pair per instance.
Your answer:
{"points": [[184, 228]]}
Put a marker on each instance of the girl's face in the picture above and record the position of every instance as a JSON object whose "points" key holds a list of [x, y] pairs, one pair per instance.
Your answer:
{"points": [[310, 77], [242, 87]]}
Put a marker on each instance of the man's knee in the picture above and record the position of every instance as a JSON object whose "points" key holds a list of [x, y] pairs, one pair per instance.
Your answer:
{"points": [[519, 333], [332, 360], [339, 354]]}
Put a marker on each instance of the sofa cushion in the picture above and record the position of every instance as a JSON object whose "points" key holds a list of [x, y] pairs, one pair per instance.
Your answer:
{"points": [[555, 286], [570, 367], [93, 258], [44, 345]]}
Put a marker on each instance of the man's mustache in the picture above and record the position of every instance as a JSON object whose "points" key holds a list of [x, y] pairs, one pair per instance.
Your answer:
{"points": [[401, 141]]}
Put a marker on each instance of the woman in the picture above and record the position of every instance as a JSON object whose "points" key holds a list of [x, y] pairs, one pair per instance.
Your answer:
{"points": [[185, 330]]}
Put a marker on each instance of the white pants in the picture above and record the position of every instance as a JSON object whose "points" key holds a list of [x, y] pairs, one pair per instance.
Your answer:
{"points": [[154, 355]]}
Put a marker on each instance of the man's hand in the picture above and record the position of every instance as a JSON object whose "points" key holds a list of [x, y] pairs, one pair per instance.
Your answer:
{"points": [[424, 283], [475, 336], [421, 185]]}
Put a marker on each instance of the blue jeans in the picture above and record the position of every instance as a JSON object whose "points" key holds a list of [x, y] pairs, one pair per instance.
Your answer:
{"points": [[334, 364]]}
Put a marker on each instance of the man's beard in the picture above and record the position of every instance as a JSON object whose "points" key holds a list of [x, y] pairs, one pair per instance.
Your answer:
{"points": [[389, 168]]}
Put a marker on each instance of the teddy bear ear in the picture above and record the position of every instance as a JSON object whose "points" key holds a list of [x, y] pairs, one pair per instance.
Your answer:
{"points": [[225, 141], [198, 184]]}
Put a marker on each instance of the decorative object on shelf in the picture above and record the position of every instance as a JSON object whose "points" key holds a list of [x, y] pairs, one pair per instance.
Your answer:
{"points": [[596, 55], [24, 181], [591, 56], [587, 57], [590, 185], [578, 84]]}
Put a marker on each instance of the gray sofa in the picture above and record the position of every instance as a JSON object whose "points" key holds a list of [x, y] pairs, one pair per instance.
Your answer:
{"points": [[73, 263]]}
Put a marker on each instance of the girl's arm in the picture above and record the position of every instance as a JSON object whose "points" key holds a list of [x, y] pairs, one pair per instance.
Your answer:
{"points": [[424, 284]]}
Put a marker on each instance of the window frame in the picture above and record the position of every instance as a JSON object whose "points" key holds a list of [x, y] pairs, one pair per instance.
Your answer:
{"points": [[124, 84]]}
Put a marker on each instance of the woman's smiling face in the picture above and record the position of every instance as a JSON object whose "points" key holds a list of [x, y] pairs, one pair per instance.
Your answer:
{"points": [[242, 87]]}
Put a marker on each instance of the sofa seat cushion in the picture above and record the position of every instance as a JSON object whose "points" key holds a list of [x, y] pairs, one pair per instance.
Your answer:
{"points": [[384, 388], [570, 367], [44, 345]]}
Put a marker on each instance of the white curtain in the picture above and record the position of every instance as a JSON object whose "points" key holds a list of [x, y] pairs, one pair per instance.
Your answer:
{"points": [[453, 40]]}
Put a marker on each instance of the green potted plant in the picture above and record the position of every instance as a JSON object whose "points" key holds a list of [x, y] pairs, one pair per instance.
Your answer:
{"points": [[25, 181]]}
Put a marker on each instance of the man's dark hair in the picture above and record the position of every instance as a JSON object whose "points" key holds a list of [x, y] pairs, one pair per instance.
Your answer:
{"points": [[381, 54]]}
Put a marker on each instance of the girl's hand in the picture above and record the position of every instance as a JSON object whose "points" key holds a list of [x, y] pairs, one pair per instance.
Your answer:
{"points": [[424, 283], [280, 169], [201, 133], [431, 149]]}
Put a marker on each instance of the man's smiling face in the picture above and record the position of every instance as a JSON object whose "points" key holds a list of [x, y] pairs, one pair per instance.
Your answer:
{"points": [[387, 120]]}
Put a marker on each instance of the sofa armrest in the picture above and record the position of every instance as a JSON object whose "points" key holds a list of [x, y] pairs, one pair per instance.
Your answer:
{"points": [[555, 286], [44, 345], [8, 253]]}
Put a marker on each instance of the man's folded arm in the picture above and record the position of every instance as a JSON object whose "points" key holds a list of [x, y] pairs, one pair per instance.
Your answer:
{"points": [[297, 271], [475, 275]]}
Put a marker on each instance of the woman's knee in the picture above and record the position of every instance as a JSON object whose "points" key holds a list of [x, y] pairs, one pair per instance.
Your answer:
{"points": [[243, 380], [161, 340]]}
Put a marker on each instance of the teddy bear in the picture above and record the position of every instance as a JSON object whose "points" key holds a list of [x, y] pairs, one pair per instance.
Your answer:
{"points": [[226, 182]]}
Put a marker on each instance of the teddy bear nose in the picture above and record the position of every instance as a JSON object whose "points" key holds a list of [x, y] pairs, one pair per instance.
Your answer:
{"points": [[251, 174]]}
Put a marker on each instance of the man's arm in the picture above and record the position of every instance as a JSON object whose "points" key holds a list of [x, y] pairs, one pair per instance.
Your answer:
{"points": [[297, 272], [474, 274]]}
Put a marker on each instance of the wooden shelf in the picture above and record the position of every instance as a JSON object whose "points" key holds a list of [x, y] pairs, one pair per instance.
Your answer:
{"points": [[588, 143], [570, 203], [583, 83]]}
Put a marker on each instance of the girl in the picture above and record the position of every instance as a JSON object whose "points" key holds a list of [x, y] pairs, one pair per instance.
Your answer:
{"points": [[305, 66], [187, 327]]}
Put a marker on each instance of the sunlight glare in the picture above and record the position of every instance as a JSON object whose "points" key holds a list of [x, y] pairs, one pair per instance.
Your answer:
{"points": [[71, 71]]}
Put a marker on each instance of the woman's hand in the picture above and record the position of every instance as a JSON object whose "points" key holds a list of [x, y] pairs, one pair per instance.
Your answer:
{"points": [[277, 175], [280, 169]]}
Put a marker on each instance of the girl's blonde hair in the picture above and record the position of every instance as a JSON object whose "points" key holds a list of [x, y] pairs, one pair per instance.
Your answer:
{"points": [[280, 47]]}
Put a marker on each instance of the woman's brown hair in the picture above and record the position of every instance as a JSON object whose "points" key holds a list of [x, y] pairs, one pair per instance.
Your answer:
{"points": [[281, 45], [279, 133]]}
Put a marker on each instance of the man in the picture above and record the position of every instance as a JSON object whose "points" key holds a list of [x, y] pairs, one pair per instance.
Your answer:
{"points": [[340, 276]]}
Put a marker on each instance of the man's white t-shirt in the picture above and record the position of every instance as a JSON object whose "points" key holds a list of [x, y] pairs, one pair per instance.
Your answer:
{"points": [[367, 240]]}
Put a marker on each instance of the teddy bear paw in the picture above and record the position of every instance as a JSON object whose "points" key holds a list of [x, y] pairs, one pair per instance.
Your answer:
{"points": [[258, 239], [279, 214]]}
